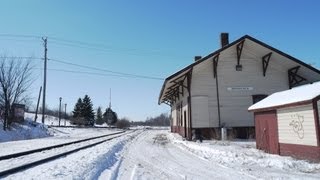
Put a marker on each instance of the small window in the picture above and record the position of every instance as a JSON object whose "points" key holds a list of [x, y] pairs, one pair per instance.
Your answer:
{"points": [[258, 97]]}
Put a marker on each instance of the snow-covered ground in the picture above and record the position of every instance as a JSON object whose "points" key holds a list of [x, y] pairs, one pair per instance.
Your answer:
{"points": [[159, 154], [32, 130], [162, 155], [26, 130], [48, 120]]}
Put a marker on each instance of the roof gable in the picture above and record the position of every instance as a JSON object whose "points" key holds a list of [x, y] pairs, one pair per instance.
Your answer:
{"points": [[238, 41], [234, 43], [299, 94]]}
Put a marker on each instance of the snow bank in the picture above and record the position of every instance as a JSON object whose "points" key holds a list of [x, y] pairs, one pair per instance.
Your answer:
{"points": [[26, 130], [111, 161], [244, 155]]}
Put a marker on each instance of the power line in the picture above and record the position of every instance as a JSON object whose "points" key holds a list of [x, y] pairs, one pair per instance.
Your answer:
{"points": [[136, 52], [92, 73], [100, 46], [106, 48], [76, 43], [106, 70], [79, 44], [95, 46], [21, 36], [114, 73], [18, 40], [89, 73], [22, 57]]}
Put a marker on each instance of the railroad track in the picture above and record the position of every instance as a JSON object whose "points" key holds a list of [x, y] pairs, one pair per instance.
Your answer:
{"points": [[13, 163]]}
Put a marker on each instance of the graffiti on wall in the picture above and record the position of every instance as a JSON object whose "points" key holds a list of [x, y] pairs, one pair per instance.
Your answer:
{"points": [[297, 125]]}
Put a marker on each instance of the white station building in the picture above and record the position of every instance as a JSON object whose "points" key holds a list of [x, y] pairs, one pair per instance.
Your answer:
{"points": [[212, 95]]}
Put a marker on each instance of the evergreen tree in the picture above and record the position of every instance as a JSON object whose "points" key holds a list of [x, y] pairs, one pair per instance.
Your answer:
{"points": [[99, 118], [77, 109], [87, 111], [77, 113], [110, 117]]}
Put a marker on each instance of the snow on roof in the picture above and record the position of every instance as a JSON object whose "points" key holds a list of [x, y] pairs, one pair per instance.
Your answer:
{"points": [[294, 95]]}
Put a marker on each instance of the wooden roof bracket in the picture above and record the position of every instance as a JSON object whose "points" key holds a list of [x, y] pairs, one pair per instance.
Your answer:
{"points": [[174, 91], [184, 77], [265, 62], [180, 83], [239, 52], [168, 103], [294, 78], [167, 99], [215, 65], [178, 91], [189, 76], [171, 95]]}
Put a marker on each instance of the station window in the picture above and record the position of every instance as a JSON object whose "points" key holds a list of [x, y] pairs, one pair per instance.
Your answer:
{"points": [[258, 97]]}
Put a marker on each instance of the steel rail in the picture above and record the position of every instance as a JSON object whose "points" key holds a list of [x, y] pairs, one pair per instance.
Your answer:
{"points": [[53, 157], [15, 155]]}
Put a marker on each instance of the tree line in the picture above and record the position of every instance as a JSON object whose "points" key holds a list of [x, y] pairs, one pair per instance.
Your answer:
{"points": [[83, 114], [161, 120]]}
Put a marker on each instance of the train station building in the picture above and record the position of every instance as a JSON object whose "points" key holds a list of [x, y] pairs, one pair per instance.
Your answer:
{"points": [[211, 96]]}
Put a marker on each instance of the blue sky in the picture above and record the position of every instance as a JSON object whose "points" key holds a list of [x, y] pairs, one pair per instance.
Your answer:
{"points": [[150, 38]]}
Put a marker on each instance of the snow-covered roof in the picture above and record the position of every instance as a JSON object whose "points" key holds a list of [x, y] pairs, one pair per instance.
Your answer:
{"points": [[294, 95]]}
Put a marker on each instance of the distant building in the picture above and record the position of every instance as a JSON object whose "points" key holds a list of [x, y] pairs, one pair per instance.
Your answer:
{"points": [[18, 112], [287, 122], [215, 91]]}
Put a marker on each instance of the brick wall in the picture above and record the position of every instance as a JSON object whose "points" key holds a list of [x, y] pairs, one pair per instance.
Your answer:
{"points": [[181, 131], [311, 153]]}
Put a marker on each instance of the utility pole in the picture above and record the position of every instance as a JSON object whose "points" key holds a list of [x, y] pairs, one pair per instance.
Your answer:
{"points": [[110, 99], [65, 113], [60, 110], [44, 78], [35, 118]]}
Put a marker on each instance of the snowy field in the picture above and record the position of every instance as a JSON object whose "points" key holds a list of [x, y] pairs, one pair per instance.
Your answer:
{"points": [[159, 154], [31, 130], [49, 120]]}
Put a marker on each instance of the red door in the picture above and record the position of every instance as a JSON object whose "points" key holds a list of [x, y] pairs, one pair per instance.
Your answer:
{"points": [[266, 128]]}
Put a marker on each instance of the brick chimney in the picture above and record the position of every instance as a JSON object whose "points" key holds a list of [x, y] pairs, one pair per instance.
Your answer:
{"points": [[224, 38], [196, 58]]}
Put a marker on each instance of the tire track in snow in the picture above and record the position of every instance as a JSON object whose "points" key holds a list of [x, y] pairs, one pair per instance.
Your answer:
{"points": [[139, 165], [159, 160], [113, 160]]}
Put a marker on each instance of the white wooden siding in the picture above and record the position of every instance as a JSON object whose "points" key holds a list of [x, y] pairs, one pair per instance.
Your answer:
{"points": [[173, 116], [296, 125], [203, 84], [234, 104], [200, 112]]}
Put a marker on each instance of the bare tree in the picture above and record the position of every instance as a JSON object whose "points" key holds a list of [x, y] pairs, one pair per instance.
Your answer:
{"points": [[123, 123], [15, 80]]}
